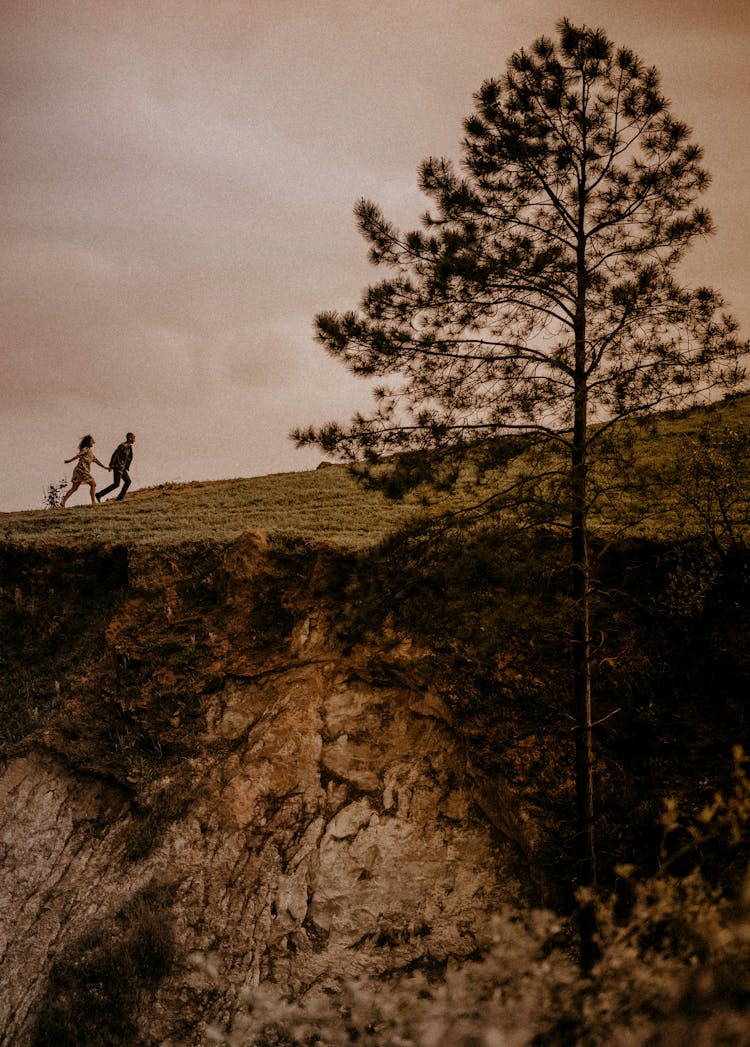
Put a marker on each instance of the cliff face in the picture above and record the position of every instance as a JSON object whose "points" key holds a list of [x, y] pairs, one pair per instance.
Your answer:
{"points": [[201, 792]]}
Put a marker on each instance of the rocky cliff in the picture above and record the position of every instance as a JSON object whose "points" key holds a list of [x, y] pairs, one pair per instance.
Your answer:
{"points": [[203, 791]]}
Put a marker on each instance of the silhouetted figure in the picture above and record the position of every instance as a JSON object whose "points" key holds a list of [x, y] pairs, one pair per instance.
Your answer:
{"points": [[119, 463], [82, 471]]}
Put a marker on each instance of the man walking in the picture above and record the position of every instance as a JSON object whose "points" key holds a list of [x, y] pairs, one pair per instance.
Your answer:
{"points": [[119, 463]]}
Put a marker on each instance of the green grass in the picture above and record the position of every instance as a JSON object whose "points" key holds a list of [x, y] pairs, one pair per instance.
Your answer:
{"points": [[323, 505], [326, 505]]}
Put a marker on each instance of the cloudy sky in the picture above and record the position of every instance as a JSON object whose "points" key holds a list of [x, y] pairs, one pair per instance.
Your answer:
{"points": [[177, 180]]}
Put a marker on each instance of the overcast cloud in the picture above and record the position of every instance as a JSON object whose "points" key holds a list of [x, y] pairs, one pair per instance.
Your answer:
{"points": [[177, 183]]}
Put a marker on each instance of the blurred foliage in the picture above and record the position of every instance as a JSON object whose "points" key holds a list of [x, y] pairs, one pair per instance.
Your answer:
{"points": [[674, 971]]}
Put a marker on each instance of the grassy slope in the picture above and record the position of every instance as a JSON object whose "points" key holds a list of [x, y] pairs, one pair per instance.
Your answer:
{"points": [[325, 505]]}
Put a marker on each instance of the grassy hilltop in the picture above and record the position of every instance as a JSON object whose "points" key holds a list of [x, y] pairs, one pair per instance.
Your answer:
{"points": [[324, 505]]}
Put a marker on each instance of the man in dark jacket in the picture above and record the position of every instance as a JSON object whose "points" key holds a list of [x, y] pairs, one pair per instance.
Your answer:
{"points": [[119, 463]]}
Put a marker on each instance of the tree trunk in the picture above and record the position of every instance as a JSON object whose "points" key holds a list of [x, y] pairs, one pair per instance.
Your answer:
{"points": [[585, 843], [581, 642]]}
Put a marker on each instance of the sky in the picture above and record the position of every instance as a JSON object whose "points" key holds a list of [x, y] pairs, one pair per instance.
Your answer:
{"points": [[177, 183]]}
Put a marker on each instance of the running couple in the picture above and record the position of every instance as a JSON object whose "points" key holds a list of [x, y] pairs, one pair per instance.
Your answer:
{"points": [[119, 464]]}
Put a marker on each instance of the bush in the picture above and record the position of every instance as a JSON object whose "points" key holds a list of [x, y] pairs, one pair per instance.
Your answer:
{"points": [[53, 494]]}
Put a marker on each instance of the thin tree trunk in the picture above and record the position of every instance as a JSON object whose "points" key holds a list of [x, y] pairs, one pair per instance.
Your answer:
{"points": [[581, 643], [586, 846]]}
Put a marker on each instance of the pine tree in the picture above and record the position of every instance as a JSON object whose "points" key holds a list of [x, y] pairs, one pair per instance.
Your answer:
{"points": [[540, 296]]}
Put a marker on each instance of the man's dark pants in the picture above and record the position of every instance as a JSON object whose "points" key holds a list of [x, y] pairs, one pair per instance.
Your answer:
{"points": [[118, 476]]}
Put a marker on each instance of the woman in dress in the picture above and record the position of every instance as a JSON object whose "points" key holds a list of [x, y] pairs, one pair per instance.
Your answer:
{"points": [[82, 471]]}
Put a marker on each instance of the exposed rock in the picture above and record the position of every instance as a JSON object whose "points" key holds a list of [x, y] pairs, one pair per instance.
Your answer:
{"points": [[311, 824]]}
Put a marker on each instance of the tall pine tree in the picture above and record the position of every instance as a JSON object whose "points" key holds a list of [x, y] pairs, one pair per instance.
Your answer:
{"points": [[540, 295]]}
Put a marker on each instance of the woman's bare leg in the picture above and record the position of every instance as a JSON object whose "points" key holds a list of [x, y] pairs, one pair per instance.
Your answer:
{"points": [[92, 491], [73, 489]]}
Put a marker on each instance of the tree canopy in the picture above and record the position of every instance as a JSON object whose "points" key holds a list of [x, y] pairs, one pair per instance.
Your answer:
{"points": [[542, 281]]}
